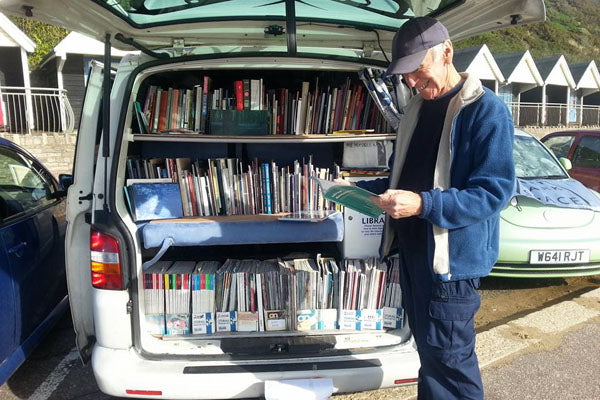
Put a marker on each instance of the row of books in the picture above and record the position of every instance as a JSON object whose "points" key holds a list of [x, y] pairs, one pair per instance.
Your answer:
{"points": [[223, 186], [187, 297], [172, 109], [305, 110]]}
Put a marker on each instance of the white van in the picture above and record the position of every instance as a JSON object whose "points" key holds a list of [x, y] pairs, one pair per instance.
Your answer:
{"points": [[280, 44]]}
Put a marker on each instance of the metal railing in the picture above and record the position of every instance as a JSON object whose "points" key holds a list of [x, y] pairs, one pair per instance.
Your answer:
{"points": [[23, 110], [590, 115], [556, 114]]}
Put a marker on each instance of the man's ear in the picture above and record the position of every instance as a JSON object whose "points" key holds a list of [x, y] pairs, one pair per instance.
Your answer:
{"points": [[448, 52]]}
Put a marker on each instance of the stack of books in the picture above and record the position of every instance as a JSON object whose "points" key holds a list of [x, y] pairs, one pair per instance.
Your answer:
{"points": [[300, 294], [204, 288], [174, 109], [365, 284], [222, 186], [307, 109]]}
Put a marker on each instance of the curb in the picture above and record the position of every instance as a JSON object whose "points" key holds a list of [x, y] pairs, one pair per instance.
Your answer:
{"points": [[506, 340]]}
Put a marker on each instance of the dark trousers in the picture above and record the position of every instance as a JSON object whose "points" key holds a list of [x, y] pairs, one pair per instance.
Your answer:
{"points": [[441, 317]]}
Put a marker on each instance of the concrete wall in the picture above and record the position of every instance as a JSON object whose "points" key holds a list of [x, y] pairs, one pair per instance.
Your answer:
{"points": [[54, 150]]}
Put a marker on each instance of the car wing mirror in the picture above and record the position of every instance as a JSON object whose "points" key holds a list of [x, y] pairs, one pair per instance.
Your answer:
{"points": [[566, 163], [65, 180]]}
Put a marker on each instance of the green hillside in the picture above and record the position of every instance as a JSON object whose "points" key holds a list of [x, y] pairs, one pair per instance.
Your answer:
{"points": [[572, 29], [45, 37]]}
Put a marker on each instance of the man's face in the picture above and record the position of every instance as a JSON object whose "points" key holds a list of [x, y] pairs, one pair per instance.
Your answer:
{"points": [[431, 78]]}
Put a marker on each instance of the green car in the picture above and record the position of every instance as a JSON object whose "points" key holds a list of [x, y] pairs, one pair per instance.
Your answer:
{"points": [[543, 240]]}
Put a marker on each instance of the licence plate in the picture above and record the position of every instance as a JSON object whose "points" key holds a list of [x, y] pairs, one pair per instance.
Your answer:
{"points": [[559, 256]]}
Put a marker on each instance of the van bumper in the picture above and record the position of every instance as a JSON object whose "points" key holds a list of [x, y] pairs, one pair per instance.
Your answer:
{"points": [[125, 373]]}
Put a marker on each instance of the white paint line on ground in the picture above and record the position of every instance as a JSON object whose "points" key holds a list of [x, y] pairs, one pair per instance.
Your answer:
{"points": [[46, 388]]}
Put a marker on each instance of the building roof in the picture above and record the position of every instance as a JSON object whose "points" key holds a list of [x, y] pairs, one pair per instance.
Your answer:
{"points": [[545, 65], [577, 70], [555, 71], [76, 43], [478, 61], [519, 68], [15, 34], [464, 57], [508, 62], [586, 75]]}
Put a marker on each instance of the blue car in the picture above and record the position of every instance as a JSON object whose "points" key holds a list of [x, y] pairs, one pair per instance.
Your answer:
{"points": [[33, 290]]}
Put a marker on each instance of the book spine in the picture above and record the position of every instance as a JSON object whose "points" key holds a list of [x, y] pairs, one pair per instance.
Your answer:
{"points": [[204, 116], [246, 89], [239, 95], [255, 94], [267, 189], [164, 104]]}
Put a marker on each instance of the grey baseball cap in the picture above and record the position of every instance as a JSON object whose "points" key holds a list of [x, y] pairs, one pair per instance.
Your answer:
{"points": [[412, 41]]}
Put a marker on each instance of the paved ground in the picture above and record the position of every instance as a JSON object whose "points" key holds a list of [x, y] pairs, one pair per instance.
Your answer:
{"points": [[571, 371], [549, 354]]}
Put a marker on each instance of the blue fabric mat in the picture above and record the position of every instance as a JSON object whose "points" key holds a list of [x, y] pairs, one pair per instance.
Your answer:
{"points": [[211, 231]]}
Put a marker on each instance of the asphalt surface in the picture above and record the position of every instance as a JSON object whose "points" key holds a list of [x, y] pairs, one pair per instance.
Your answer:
{"points": [[552, 353], [570, 371]]}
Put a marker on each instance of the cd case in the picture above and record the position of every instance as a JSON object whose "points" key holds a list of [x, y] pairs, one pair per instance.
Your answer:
{"points": [[308, 216]]}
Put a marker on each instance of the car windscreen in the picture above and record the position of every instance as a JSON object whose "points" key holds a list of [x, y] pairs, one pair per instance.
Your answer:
{"points": [[534, 161], [384, 14]]}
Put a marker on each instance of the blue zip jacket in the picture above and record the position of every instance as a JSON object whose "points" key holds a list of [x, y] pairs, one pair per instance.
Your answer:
{"points": [[473, 180]]}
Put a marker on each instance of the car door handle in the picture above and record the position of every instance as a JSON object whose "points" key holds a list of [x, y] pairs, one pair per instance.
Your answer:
{"points": [[17, 250]]}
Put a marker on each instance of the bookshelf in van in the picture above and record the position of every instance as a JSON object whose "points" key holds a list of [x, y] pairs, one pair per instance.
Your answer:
{"points": [[242, 103], [310, 111], [302, 108]]}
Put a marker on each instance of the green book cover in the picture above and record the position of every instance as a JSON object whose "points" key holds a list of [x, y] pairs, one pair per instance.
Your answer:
{"points": [[352, 197], [141, 118]]}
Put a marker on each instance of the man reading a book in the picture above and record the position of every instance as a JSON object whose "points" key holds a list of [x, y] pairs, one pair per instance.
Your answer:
{"points": [[452, 173]]}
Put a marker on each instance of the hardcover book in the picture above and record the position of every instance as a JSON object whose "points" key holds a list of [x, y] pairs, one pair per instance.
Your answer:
{"points": [[155, 201]]}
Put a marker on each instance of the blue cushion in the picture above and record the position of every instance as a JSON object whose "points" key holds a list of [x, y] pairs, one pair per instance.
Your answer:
{"points": [[244, 229]]}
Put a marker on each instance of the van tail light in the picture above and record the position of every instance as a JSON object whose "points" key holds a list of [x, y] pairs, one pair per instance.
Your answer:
{"points": [[144, 392], [406, 381], [106, 265]]}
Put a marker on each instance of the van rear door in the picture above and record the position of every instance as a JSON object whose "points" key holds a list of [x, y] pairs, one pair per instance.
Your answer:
{"points": [[79, 207], [364, 26]]}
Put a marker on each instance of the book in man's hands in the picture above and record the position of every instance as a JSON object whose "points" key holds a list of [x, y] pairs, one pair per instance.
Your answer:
{"points": [[350, 196]]}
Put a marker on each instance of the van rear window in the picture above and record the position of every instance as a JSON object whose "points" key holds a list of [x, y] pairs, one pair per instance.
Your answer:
{"points": [[382, 14]]}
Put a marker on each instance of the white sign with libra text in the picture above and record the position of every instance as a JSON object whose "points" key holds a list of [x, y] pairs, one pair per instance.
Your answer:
{"points": [[362, 234]]}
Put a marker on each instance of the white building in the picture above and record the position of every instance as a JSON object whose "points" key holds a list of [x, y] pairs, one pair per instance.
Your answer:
{"points": [[68, 65], [587, 91], [521, 75], [480, 62], [557, 94], [14, 73]]}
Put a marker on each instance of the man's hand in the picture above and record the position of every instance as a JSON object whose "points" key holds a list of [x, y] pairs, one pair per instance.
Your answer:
{"points": [[343, 182], [399, 203]]}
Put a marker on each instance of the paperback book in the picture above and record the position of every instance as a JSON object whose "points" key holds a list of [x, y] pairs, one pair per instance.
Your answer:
{"points": [[352, 197]]}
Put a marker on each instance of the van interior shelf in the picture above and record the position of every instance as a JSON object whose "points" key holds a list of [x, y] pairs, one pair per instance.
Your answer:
{"points": [[235, 230], [312, 138]]}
